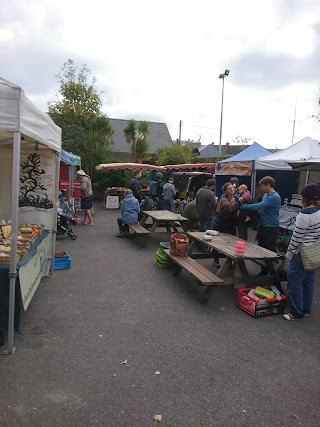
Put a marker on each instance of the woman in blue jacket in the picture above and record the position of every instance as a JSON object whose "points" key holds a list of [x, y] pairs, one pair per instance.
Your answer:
{"points": [[129, 210]]}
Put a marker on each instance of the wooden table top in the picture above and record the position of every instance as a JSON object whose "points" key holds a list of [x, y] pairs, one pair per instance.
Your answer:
{"points": [[225, 243], [165, 216]]}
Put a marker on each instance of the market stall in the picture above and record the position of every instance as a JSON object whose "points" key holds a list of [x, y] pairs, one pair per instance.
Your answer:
{"points": [[69, 164], [30, 144], [242, 165]]}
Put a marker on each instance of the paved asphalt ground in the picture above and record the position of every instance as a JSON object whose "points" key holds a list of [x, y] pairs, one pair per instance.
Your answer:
{"points": [[218, 366]]}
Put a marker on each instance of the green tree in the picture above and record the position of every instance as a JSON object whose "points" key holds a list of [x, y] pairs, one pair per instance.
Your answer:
{"points": [[136, 133], [174, 155], [77, 110]]}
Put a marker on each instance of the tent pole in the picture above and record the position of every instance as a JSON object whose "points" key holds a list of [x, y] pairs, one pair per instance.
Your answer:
{"points": [[55, 214], [307, 177], [14, 233], [253, 184]]}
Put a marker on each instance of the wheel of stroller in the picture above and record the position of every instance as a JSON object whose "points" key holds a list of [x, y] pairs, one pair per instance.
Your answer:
{"points": [[72, 235]]}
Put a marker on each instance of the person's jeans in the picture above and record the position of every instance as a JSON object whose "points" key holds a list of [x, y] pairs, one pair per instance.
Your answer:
{"points": [[123, 228], [170, 205], [300, 286], [204, 225]]}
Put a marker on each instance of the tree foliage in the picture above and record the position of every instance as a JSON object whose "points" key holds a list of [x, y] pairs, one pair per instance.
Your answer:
{"points": [[136, 133], [174, 155], [77, 110]]}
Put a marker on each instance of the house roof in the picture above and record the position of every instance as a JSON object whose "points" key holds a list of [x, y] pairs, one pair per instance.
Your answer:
{"points": [[158, 136], [208, 151]]}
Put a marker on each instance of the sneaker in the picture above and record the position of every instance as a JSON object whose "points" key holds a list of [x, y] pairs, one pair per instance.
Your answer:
{"points": [[120, 235], [216, 263], [289, 316]]}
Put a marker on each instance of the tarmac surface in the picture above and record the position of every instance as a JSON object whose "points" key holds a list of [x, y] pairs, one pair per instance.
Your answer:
{"points": [[115, 341]]}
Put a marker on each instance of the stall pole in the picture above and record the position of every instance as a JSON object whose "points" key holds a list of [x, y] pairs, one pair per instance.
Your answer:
{"points": [[14, 235], [253, 183], [307, 177], [55, 214]]}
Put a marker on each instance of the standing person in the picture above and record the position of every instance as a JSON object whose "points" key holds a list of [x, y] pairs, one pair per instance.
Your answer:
{"points": [[269, 216], [86, 196], [226, 219], [206, 205], [130, 210], [135, 185], [306, 232], [158, 190], [169, 192], [235, 184]]}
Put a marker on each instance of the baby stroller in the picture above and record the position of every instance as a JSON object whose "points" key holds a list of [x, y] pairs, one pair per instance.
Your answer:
{"points": [[64, 225], [284, 237], [148, 204]]}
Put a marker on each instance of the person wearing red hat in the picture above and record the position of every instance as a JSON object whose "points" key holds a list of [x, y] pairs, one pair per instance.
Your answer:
{"points": [[306, 232]]}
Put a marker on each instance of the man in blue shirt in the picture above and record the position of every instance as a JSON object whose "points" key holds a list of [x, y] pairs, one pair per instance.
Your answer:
{"points": [[268, 209]]}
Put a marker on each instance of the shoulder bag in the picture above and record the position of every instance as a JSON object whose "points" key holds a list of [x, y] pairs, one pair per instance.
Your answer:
{"points": [[310, 256]]}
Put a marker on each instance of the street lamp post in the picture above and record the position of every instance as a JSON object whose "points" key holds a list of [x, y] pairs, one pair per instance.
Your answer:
{"points": [[222, 76]]}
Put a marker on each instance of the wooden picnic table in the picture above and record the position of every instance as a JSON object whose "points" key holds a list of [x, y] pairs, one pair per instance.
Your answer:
{"points": [[167, 219], [238, 276]]}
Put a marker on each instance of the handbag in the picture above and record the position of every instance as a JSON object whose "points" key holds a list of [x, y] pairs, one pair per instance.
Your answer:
{"points": [[179, 244], [310, 256]]}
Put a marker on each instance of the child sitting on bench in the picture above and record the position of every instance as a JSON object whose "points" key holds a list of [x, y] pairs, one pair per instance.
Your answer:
{"points": [[129, 209]]}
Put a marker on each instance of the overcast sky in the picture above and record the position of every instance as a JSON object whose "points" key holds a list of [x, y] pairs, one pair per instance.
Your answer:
{"points": [[160, 61]]}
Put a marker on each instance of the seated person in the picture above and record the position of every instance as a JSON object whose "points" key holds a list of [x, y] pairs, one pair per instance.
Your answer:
{"points": [[190, 212], [130, 210]]}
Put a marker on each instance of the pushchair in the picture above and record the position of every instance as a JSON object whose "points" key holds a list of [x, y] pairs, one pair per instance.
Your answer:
{"points": [[64, 225], [148, 204], [284, 237]]}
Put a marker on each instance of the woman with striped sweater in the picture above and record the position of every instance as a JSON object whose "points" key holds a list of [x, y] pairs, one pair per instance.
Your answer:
{"points": [[306, 232]]}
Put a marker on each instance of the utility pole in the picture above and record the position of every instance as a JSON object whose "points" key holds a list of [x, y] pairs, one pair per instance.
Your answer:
{"points": [[294, 122], [180, 124]]}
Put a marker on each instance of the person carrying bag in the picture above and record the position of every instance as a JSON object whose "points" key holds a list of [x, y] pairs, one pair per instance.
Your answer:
{"points": [[304, 254]]}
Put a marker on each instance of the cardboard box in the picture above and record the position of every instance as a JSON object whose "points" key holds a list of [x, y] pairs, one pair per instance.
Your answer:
{"points": [[112, 202]]}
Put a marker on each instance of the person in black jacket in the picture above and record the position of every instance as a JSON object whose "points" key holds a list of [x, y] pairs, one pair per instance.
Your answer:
{"points": [[135, 186]]}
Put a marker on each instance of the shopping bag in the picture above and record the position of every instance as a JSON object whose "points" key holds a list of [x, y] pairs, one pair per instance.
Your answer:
{"points": [[179, 244], [310, 256]]}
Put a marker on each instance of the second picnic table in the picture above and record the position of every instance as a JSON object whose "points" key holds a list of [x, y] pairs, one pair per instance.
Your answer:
{"points": [[167, 219]]}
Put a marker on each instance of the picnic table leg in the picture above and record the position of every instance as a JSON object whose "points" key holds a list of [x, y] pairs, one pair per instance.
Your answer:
{"points": [[238, 278], [224, 268], [184, 226], [177, 270], [144, 219], [205, 296], [154, 226]]}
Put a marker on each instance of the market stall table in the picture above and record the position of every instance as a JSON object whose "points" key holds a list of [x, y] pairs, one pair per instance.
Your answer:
{"points": [[224, 244], [30, 269], [167, 219]]}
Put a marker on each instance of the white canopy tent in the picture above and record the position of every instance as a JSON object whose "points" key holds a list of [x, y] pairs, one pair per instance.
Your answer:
{"points": [[306, 149], [25, 131]]}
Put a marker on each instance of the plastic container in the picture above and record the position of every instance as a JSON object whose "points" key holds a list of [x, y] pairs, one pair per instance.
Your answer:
{"points": [[62, 263], [257, 307]]}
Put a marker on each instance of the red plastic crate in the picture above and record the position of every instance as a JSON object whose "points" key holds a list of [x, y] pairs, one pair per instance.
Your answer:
{"points": [[257, 307]]}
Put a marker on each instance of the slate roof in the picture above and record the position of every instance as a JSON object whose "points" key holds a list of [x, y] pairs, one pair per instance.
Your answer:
{"points": [[208, 151], [158, 136]]}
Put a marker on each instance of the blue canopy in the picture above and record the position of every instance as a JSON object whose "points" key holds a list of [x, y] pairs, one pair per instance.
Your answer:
{"points": [[251, 153], [69, 159]]}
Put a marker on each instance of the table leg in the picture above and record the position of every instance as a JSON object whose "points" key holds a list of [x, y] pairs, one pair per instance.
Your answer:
{"points": [[154, 226], [224, 268], [184, 226], [206, 294], [192, 247], [144, 219]]}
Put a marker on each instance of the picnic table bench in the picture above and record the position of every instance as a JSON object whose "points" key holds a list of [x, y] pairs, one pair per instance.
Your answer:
{"points": [[138, 229], [203, 276]]}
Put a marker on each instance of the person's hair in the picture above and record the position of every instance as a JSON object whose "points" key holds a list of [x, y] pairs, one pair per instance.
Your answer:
{"points": [[267, 180], [136, 172], [307, 202], [225, 186], [170, 179], [234, 180], [211, 182], [159, 175], [244, 186], [127, 191]]}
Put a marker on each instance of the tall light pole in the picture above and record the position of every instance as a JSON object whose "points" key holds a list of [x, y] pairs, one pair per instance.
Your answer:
{"points": [[222, 76]]}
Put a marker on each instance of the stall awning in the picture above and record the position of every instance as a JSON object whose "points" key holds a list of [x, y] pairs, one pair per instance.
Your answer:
{"points": [[69, 159], [207, 166], [124, 166]]}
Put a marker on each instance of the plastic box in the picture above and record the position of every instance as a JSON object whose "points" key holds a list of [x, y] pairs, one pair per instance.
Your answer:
{"points": [[257, 307], [62, 263]]}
